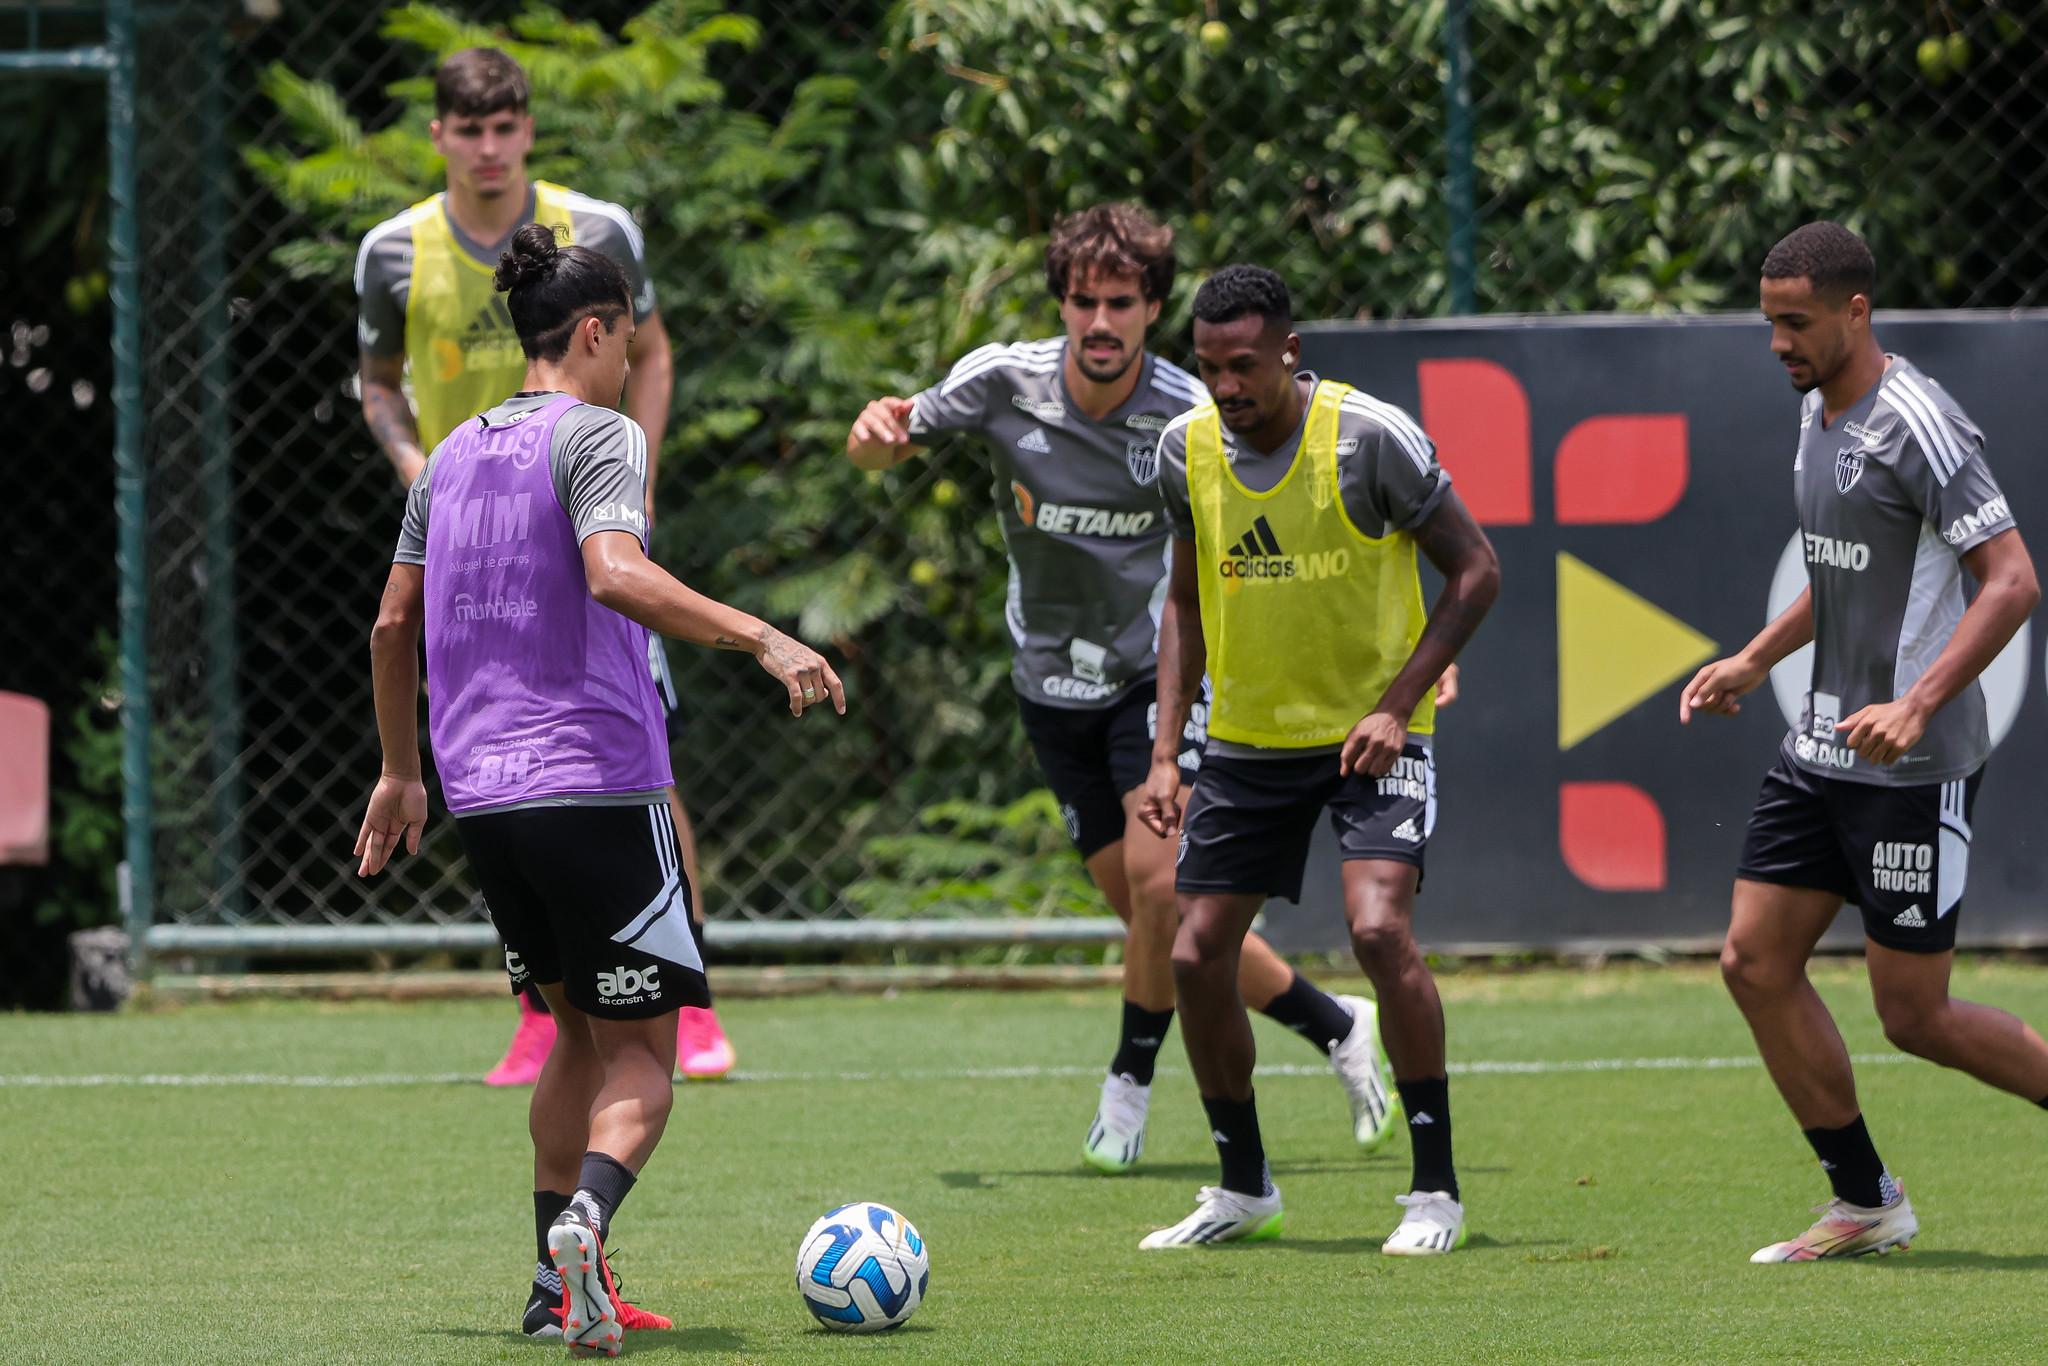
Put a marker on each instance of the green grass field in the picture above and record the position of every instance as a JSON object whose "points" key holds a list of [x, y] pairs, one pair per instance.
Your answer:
{"points": [[1613, 1211]]}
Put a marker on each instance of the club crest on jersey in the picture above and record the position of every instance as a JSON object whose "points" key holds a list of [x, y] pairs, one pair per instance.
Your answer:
{"points": [[1143, 459], [1848, 468]]}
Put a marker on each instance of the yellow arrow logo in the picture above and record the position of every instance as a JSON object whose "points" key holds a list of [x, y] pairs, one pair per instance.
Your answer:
{"points": [[1613, 650]]}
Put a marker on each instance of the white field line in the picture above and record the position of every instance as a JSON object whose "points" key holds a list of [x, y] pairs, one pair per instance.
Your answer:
{"points": [[1457, 1069]]}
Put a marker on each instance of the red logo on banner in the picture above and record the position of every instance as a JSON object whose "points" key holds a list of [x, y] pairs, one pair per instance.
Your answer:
{"points": [[1612, 836], [1617, 469], [1478, 416]]}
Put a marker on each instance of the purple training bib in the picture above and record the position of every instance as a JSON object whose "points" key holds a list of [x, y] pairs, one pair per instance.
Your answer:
{"points": [[534, 688]]}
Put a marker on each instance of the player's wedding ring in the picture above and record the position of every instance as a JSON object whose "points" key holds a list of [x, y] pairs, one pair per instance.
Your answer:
{"points": [[809, 693]]}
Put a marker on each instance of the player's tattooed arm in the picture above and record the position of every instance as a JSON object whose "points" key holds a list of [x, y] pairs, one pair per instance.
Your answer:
{"points": [[1183, 659], [1459, 549], [1719, 686], [622, 578], [390, 417]]}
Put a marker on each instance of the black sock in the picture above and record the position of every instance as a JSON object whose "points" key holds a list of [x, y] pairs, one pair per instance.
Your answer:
{"points": [[1854, 1169], [1311, 1012], [1137, 1053], [547, 1207], [601, 1188], [1234, 1124], [1428, 1104]]}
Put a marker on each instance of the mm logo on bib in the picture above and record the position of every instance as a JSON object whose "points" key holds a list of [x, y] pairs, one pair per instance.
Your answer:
{"points": [[624, 986]]}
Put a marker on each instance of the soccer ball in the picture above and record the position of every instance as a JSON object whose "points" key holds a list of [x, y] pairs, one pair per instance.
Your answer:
{"points": [[862, 1268]]}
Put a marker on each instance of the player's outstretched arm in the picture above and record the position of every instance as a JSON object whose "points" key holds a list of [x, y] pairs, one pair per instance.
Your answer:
{"points": [[2007, 594], [398, 804], [1718, 686], [880, 436], [1183, 658], [389, 415], [625, 580], [1462, 554]]}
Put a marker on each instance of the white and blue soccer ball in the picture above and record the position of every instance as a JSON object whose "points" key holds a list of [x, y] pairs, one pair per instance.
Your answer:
{"points": [[862, 1268]]}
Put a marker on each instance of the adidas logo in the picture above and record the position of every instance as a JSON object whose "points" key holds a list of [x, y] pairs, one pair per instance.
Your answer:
{"points": [[1406, 831], [492, 317], [1258, 541], [1910, 918], [1421, 1117], [1034, 440]]}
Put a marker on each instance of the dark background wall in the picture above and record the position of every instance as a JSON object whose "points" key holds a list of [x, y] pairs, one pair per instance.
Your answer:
{"points": [[1497, 871]]}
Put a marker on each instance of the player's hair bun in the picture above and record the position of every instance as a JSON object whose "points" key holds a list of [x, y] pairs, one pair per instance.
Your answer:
{"points": [[530, 258]]}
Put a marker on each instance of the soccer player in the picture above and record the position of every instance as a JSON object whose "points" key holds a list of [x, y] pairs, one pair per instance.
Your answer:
{"points": [[426, 298], [1297, 506], [1871, 799], [1072, 423], [523, 557]]}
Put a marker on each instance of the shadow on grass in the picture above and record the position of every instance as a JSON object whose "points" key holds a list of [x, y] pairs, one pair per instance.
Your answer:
{"points": [[1960, 1260], [675, 1339], [901, 1330], [1475, 1242], [1167, 1171]]}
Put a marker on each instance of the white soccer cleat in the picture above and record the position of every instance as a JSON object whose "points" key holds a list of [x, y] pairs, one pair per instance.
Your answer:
{"points": [[1433, 1225], [590, 1321], [1222, 1216], [1847, 1230], [1118, 1134], [1367, 1078]]}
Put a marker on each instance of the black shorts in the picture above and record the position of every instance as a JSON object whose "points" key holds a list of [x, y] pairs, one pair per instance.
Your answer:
{"points": [[592, 897], [1091, 758], [1902, 854], [673, 719], [1248, 824]]}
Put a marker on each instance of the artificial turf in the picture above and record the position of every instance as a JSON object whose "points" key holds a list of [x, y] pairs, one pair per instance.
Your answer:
{"points": [[1612, 1211]]}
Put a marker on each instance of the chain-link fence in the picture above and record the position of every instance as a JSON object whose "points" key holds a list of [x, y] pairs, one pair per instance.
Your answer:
{"points": [[839, 199]]}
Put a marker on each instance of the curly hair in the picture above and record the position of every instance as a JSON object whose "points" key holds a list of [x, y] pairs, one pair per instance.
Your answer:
{"points": [[1237, 291], [1113, 239], [1835, 260]]}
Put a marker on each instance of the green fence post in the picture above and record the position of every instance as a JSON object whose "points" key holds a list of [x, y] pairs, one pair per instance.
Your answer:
{"points": [[1459, 258], [223, 691], [131, 504]]}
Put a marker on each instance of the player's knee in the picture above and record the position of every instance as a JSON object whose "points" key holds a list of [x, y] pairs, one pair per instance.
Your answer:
{"points": [[1747, 973], [1200, 957], [1381, 943], [1914, 1027]]}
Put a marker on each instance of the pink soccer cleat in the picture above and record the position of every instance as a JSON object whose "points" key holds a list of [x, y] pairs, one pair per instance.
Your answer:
{"points": [[531, 1044], [703, 1053]]}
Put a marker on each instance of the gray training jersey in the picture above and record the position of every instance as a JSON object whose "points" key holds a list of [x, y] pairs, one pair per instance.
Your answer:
{"points": [[1079, 509], [1889, 498], [596, 456]]}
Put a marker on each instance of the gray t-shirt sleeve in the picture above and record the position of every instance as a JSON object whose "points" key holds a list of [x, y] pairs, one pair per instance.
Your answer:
{"points": [[599, 462], [617, 236], [1941, 466], [960, 402], [412, 532], [383, 280], [1173, 480], [1391, 479]]}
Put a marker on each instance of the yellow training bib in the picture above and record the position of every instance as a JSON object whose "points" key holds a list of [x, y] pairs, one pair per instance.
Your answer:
{"points": [[1307, 618], [459, 338]]}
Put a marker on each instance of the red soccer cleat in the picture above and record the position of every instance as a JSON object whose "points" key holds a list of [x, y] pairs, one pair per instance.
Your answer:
{"points": [[703, 1053], [531, 1044]]}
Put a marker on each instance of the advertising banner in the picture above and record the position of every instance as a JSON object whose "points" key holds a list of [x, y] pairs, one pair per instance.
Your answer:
{"points": [[1635, 474]]}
